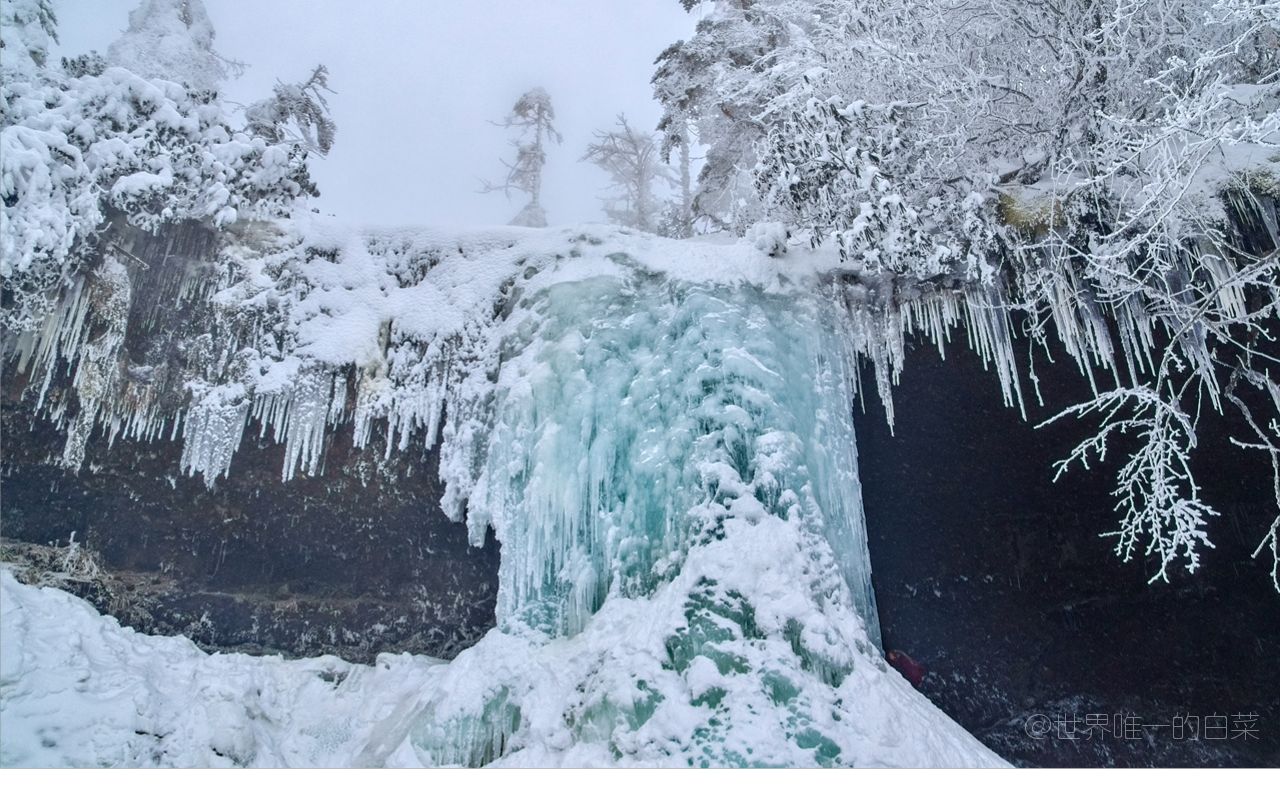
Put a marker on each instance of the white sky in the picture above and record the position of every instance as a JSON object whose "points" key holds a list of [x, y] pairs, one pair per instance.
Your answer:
{"points": [[418, 81]]}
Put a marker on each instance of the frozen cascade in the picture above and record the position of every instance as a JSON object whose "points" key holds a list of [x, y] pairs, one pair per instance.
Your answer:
{"points": [[672, 473], [660, 435], [639, 414]]}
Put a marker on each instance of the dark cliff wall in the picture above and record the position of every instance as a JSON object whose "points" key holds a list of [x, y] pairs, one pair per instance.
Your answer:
{"points": [[353, 562], [996, 578], [356, 561]]}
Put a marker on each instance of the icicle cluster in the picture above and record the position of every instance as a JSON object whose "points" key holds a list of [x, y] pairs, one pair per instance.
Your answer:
{"points": [[403, 335], [650, 427], [635, 416]]}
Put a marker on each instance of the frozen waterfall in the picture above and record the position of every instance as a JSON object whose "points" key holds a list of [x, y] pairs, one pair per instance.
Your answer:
{"points": [[638, 416], [660, 434], [671, 469]]}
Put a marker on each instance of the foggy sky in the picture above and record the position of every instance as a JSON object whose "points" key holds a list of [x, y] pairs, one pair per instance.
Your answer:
{"points": [[419, 80]]}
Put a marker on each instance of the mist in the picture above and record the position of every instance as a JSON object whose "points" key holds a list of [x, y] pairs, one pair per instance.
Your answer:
{"points": [[419, 84]]}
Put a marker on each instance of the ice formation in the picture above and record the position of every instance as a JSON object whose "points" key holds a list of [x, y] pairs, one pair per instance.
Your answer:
{"points": [[640, 415], [659, 434], [657, 431]]}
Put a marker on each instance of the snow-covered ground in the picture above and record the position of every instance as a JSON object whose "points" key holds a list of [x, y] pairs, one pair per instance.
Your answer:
{"points": [[76, 689]]}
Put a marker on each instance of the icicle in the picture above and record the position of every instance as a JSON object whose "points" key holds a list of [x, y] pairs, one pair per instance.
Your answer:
{"points": [[301, 423], [632, 421], [214, 426], [96, 366]]}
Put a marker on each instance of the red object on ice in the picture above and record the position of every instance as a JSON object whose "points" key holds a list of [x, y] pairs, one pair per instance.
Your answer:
{"points": [[911, 669]]}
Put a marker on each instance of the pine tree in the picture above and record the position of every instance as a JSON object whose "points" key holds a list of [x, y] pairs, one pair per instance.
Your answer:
{"points": [[717, 85], [27, 26], [533, 117], [172, 40], [296, 112], [175, 152]]}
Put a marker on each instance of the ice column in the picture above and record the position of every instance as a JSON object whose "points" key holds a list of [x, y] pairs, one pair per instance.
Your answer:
{"points": [[635, 416]]}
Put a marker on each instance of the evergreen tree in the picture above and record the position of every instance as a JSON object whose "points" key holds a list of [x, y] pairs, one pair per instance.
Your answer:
{"points": [[172, 40], [88, 151], [27, 27], [533, 119], [296, 112], [717, 85]]}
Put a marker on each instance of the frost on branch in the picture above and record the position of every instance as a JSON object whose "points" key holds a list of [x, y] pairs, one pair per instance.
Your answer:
{"points": [[631, 159], [296, 113], [1105, 170], [1157, 496], [1266, 440]]}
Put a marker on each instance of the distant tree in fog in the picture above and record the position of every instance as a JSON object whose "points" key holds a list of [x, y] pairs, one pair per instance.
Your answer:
{"points": [[633, 161], [533, 117]]}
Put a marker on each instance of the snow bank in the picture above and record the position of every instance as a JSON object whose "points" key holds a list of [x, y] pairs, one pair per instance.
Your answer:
{"points": [[76, 689]]}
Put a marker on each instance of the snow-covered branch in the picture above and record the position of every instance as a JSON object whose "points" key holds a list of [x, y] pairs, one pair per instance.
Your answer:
{"points": [[1107, 169]]}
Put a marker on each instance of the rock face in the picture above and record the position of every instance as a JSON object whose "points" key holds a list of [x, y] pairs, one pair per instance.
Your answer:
{"points": [[995, 578], [354, 562]]}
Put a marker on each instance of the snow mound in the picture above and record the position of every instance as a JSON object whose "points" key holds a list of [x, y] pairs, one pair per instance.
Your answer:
{"points": [[76, 689]]}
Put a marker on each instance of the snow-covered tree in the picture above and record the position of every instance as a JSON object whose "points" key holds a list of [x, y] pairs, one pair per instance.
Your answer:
{"points": [[84, 152], [632, 160], [296, 112], [533, 119], [172, 40], [1107, 168], [28, 26], [716, 85], [676, 85], [675, 142]]}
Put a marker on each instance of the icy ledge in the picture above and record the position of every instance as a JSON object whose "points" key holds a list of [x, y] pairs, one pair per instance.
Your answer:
{"points": [[76, 689]]}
